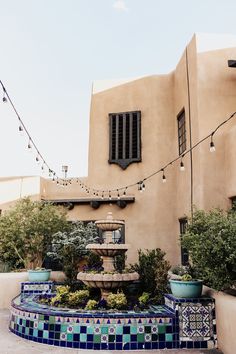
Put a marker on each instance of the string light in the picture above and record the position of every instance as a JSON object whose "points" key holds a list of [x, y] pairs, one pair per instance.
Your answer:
{"points": [[163, 176], [212, 145], [182, 168], [31, 144]]}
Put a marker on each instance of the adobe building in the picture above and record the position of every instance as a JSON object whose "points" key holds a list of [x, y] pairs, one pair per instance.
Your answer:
{"points": [[136, 128]]}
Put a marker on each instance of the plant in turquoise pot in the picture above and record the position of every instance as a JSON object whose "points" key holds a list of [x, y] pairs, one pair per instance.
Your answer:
{"points": [[186, 287]]}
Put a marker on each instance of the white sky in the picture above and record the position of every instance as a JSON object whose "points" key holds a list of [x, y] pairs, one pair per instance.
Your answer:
{"points": [[52, 50]]}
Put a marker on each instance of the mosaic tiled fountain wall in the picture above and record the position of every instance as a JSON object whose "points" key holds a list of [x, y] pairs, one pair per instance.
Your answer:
{"points": [[180, 323]]}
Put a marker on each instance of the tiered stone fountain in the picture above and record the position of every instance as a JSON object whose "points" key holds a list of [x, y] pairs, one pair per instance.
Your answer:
{"points": [[109, 279]]}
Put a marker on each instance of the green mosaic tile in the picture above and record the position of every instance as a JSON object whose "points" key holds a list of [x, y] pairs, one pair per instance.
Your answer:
{"points": [[69, 337], [51, 319], [24, 323], [83, 337], [64, 328], [41, 318], [104, 330], [89, 330], [57, 335], [40, 325], [119, 329], [31, 324], [161, 328], [147, 329], [97, 338], [140, 337], [154, 337], [169, 337], [126, 338], [111, 338], [35, 333], [133, 329], [45, 334], [27, 331]]}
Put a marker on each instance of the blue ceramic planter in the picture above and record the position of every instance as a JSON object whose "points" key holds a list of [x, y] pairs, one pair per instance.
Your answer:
{"points": [[186, 289], [39, 275]]}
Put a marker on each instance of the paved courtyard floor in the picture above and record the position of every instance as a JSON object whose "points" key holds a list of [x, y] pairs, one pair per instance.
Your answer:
{"points": [[11, 344]]}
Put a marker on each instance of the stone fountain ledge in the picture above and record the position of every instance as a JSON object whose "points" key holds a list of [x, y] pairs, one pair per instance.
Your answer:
{"points": [[108, 277]]}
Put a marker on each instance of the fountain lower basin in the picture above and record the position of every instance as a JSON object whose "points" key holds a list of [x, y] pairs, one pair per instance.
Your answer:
{"points": [[107, 281]]}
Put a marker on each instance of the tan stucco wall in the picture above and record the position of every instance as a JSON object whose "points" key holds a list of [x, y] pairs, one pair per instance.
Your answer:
{"points": [[208, 95], [225, 320], [11, 282]]}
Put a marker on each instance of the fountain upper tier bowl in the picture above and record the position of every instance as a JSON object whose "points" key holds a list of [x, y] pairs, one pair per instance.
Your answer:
{"points": [[109, 224], [108, 249]]}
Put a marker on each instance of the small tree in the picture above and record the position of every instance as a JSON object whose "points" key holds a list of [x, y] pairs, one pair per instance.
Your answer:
{"points": [[26, 232], [211, 242], [153, 272], [70, 247]]}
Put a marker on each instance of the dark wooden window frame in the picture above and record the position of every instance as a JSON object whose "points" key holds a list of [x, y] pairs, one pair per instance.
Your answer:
{"points": [[125, 138], [183, 222], [182, 139]]}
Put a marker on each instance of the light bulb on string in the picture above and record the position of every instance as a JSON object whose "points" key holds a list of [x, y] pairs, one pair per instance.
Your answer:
{"points": [[4, 99], [37, 159], [163, 176], [212, 145], [118, 194], [42, 167], [125, 191], [21, 130], [182, 168], [109, 195], [29, 146], [102, 194]]}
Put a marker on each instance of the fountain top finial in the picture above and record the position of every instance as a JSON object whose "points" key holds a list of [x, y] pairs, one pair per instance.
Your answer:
{"points": [[109, 215]]}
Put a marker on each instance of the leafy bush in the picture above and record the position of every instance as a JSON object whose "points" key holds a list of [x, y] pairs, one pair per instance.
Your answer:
{"points": [[144, 299], [211, 242], [153, 272], [117, 301], [26, 232], [70, 247], [91, 305], [186, 277], [64, 297], [78, 298]]}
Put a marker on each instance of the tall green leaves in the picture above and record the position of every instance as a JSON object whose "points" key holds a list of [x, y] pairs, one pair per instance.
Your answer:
{"points": [[211, 242], [153, 272], [26, 232]]}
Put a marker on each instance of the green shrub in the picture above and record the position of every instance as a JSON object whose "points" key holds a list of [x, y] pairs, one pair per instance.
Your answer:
{"points": [[117, 301], [69, 247], [26, 232], [153, 272], [91, 305], [186, 277], [211, 242], [144, 299], [78, 298]]}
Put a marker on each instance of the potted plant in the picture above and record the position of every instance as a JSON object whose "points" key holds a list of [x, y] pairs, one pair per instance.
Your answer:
{"points": [[186, 287], [26, 233]]}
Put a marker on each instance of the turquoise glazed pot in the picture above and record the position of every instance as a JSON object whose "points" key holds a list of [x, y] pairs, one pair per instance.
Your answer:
{"points": [[39, 275], [186, 289]]}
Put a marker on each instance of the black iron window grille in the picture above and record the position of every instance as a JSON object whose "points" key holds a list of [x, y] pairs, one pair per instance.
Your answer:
{"points": [[181, 132], [184, 253], [125, 138]]}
